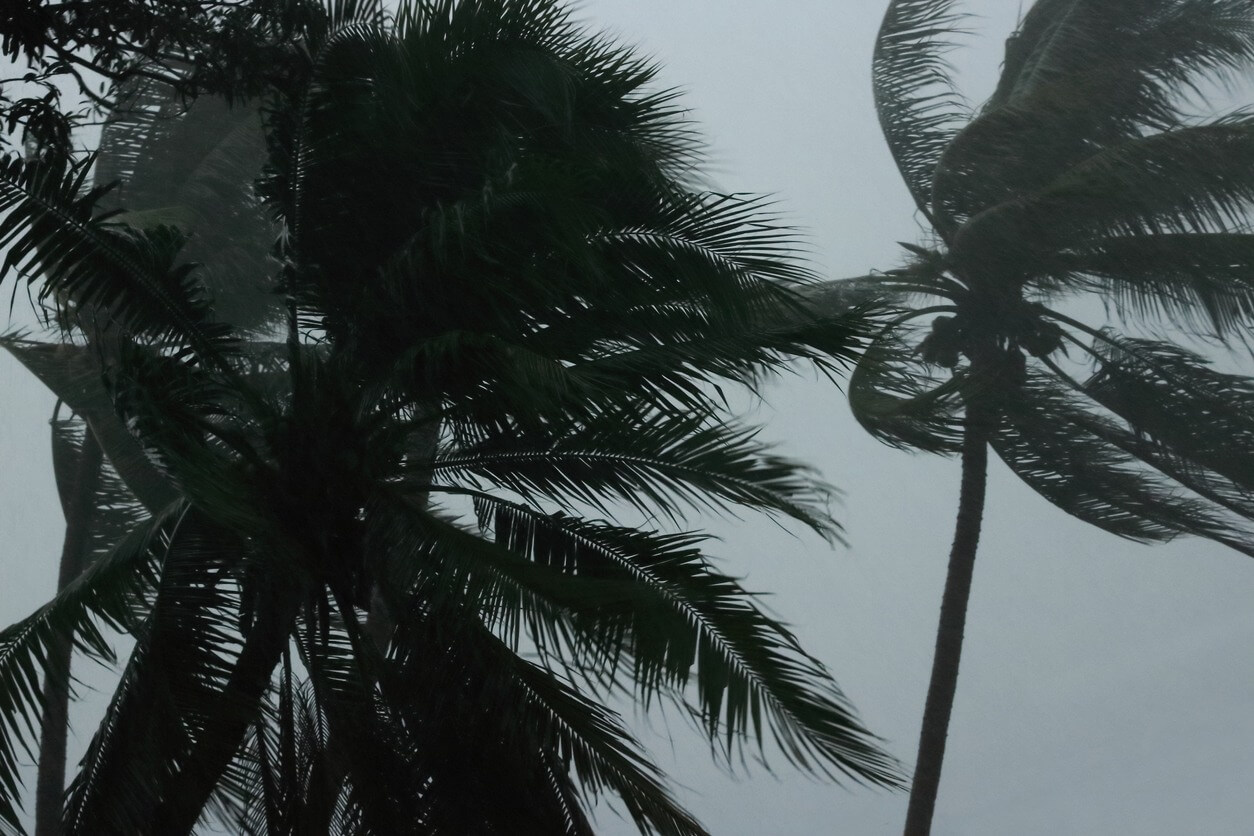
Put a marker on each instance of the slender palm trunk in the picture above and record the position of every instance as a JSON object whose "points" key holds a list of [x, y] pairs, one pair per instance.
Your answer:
{"points": [[940, 692], [79, 505]]}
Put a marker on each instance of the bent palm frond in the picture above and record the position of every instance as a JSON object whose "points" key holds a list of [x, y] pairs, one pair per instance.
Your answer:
{"points": [[1199, 281], [657, 462], [918, 106], [113, 592], [1061, 450], [51, 228], [615, 596]]}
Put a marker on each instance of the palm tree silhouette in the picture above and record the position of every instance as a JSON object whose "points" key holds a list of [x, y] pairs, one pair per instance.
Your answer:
{"points": [[1083, 175]]}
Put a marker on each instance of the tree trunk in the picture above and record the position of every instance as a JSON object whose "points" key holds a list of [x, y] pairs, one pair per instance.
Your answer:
{"points": [[379, 626], [953, 616], [79, 504]]}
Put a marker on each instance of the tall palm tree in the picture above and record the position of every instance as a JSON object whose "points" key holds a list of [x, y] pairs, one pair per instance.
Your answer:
{"points": [[391, 586], [1084, 174]]}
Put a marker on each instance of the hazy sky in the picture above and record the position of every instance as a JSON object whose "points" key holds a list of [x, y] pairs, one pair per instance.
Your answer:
{"points": [[1106, 687]]}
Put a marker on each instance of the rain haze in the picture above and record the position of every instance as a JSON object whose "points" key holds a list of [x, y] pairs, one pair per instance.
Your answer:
{"points": [[1106, 686]]}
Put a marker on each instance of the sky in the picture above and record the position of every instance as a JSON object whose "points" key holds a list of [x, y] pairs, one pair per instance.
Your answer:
{"points": [[1106, 686]]}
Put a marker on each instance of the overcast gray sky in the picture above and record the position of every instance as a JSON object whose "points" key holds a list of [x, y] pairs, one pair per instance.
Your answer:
{"points": [[1106, 687]]}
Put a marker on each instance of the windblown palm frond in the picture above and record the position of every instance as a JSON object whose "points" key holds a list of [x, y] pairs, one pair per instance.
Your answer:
{"points": [[1082, 76], [918, 107], [113, 592]]}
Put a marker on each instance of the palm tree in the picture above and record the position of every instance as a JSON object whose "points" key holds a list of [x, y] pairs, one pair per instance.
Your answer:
{"points": [[391, 587], [1083, 174], [190, 163]]}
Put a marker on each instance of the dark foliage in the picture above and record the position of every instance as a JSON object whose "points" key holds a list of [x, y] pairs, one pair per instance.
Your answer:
{"points": [[387, 590]]}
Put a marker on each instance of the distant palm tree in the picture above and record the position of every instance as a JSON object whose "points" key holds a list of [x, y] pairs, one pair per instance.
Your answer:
{"points": [[507, 303], [1083, 174], [175, 161]]}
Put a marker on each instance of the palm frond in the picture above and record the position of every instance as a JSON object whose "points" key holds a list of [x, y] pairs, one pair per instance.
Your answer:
{"points": [[1081, 77], [681, 618], [655, 461], [1194, 477], [110, 593], [1202, 282], [1148, 51], [1190, 180], [676, 350], [1045, 441], [408, 742], [367, 746], [284, 779], [903, 402], [647, 313], [510, 717], [1177, 399], [919, 109], [188, 693], [50, 227]]}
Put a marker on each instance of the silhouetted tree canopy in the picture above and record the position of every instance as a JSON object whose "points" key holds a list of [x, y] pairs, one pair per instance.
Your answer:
{"points": [[380, 563]]}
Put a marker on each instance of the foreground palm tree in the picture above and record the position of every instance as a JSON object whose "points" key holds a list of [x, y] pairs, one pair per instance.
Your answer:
{"points": [[1082, 174], [390, 587]]}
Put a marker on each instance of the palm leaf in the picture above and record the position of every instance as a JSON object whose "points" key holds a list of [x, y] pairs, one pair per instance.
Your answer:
{"points": [[1200, 183], [1197, 281], [654, 461], [109, 593], [750, 675], [1047, 443], [50, 229], [1149, 51], [915, 98], [425, 737], [1179, 401], [457, 675], [187, 695], [901, 401], [1081, 77]]}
